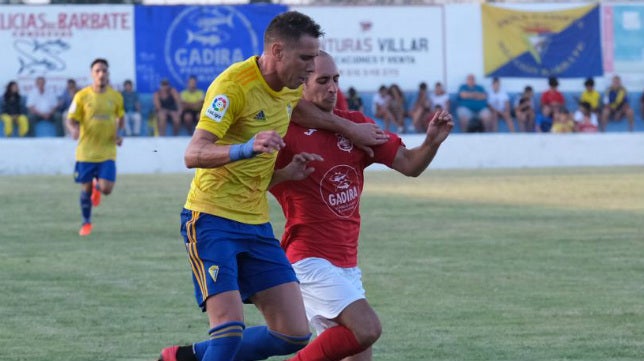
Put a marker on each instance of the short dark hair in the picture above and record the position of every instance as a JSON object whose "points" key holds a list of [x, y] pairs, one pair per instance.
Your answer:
{"points": [[586, 106], [127, 82], [589, 82], [552, 81], [99, 61], [422, 86], [290, 26]]}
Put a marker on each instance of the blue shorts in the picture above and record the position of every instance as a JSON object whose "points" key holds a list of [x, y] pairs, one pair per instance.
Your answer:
{"points": [[226, 255], [85, 172]]}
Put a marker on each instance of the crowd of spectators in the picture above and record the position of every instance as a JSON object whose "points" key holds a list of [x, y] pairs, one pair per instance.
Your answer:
{"points": [[476, 108]]}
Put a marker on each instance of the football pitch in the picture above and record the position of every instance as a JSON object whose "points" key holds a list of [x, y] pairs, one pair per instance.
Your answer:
{"points": [[539, 264]]}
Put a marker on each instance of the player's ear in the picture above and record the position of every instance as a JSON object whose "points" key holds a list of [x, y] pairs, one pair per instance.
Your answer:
{"points": [[277, 50]]}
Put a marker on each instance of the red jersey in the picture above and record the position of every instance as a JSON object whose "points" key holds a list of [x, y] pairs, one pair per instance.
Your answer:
{"points": [[322, 212], [551, 97]]}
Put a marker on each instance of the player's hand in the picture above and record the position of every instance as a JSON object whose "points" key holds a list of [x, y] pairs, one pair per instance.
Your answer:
{"points": [[119, 140], [298, 168], [439, 127], [366, 134], [267, 141]]}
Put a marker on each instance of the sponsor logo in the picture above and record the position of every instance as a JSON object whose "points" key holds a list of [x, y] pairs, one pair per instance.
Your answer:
{"points": [[310, 131], [203, 41], [218, 108], [340, 189], [260, 115]]}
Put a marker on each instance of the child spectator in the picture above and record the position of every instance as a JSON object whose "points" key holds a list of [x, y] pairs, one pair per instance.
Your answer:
{"points": [[562, 122], [13, 111], [590, 95], [524, 109], [132, 107], [354, 101], [585, 119]]}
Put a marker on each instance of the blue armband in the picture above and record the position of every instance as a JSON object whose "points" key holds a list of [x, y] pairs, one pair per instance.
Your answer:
{"points": [[242, 151]]}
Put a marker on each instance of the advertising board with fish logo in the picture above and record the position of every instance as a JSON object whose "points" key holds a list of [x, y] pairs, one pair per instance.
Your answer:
{"points": [[60, 42], [176, 42]]}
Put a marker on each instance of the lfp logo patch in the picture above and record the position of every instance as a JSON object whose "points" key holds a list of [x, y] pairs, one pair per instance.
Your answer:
{"points": [[218, 108]]}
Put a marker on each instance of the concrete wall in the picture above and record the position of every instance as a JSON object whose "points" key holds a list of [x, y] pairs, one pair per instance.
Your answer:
{"points": [[466, 151]]}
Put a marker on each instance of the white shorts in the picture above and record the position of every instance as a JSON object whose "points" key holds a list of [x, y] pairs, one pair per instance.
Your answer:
{"points": [[327, 290]]}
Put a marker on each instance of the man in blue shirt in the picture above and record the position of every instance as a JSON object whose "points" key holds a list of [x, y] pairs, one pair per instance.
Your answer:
{"points": [[472, 111]]}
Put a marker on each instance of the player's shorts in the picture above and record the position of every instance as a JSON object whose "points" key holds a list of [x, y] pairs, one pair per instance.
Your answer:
{"points": [[227, 255], [85, 172], [327, 290]]}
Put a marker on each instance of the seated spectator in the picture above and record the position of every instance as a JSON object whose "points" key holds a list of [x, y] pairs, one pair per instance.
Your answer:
{"points": [[167, 105], [381, 106], [525, 110], [397, 107], [13, 111], [439, 97], [65, 100], [191, 103], [642, 106], [341, 102], [544, 120], [42, 105], [132, 107], [616, 105], [421, 109], [472, 110], [586, 119], [562, 122], [354, 101], [590, 95], [499, 102], [552, 99]]}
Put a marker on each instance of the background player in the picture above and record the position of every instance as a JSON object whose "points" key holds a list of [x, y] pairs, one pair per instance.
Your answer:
{"points": [[323, 219], [94, 119]]}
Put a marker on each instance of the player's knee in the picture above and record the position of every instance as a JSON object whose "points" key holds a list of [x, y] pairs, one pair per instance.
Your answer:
{"points": [[290, 344], [368, 332]]}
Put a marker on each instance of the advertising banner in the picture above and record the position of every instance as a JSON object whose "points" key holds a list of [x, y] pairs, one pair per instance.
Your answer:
{"points": [[376, 46], [60, 42], [536, 44], [175, 42], [624, 38]]}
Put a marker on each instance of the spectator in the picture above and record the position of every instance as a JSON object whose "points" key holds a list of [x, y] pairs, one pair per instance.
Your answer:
{"points": [[167, 104], [472, 109], [65, 100], [552, 99], [191, 103], [421, 109], [642, 106], [562, 122], [499, 102], [524, 109], [585, 119], [440, 98], [397, 107], [41, 105], [132, 106], [590, 95], [544, 120], [616, 105], [341, 102], [354, 101], [381, 107], [13, 111]]}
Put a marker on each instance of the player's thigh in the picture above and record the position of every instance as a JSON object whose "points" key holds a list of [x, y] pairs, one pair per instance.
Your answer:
{"points": [[361, 318], [224, 307], [106, 176], [283, 309]]}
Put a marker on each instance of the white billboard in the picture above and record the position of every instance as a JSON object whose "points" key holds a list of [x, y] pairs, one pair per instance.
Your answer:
{"points": [[60, 42], [380, 45]]}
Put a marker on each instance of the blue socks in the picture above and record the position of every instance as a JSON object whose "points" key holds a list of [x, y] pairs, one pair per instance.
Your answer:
{"points": [[257, 343], [224, 342], [86, 206]]}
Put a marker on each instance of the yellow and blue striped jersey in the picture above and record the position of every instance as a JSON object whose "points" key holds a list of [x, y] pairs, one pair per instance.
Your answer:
{"points": [[239, 104], [97, 114]]}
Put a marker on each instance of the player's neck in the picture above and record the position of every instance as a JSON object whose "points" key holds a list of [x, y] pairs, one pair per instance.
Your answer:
{"points": [[99, 88], [269, 73]]}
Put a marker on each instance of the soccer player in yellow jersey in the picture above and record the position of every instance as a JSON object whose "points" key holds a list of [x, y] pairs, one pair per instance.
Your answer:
{"points": [[95, 116], [233, 252]]}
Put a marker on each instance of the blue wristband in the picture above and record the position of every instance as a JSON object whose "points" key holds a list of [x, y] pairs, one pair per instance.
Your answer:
{"points": [[242, 151]]}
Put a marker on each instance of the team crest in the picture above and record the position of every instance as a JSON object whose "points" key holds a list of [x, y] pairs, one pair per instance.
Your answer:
{"points": [[218, 108], [340, 189], [213, 271], [344, 144]]}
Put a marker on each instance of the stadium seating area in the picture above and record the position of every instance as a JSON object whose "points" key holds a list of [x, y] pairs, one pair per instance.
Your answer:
{"points": [[44, 129]]}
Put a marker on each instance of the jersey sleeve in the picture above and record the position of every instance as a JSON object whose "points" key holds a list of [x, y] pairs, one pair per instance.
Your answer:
{"points": [[75, 111], [223, 103], [120, 107]]}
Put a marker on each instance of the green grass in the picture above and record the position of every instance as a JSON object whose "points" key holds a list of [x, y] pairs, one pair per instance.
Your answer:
{"points": [[460, 265]]}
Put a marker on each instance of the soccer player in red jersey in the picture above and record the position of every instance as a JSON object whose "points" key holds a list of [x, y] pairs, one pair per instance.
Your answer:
{"points": [[323, 219]]}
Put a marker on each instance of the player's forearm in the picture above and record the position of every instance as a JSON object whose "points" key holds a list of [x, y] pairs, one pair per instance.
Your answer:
{"points": [[307, 115], [206, 155], [279, 176]]}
